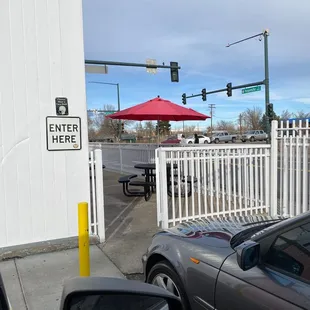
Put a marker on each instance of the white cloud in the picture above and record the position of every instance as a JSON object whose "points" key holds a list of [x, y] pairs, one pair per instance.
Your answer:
{"points": [[303, 100]]}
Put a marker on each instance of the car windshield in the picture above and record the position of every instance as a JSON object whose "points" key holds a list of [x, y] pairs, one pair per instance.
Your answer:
{"points": [[247, 233], [250, 132]]}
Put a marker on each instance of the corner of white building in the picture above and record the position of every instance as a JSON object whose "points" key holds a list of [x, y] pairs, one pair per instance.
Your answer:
{"points": [[42, 58]]}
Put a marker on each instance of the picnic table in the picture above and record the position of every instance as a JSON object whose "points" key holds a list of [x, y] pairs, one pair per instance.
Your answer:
{"points": [[149, 182]]}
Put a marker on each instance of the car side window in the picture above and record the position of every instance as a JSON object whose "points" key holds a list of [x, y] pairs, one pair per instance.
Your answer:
{"points": [[290, 253]]}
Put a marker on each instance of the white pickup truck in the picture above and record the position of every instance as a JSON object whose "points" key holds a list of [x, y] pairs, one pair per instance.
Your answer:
{"points": [[223, 136]]}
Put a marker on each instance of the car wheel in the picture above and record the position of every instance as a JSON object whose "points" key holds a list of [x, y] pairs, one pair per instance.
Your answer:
{"points": [[243, 141], [233, 140], [190, 142], [252, 139], [164, 276], [206, 142], [216, 141]]}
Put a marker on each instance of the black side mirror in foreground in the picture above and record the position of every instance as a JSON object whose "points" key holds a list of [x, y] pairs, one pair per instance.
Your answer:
{"points": [[4, 301], [119, 294], [248, 254]]}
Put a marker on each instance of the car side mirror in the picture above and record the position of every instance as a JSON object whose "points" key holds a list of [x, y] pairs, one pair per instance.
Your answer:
{"points": [[4, 301], [114, 293], [248, 254]]}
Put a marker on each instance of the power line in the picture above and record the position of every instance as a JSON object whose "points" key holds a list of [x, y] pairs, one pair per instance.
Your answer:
{"points": [[235, 117]]}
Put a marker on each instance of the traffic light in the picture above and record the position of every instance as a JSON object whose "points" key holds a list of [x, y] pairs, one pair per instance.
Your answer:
{"points": [[270, 110], [184, 99], [229, 89], [204, 94], [174, 71], [123, 127]]}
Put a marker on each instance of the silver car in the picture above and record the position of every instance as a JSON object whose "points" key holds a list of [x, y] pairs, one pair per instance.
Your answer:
{"points": [[254, 262], [254, 135]]}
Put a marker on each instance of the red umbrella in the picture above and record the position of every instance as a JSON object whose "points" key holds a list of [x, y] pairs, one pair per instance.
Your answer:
{"points": [[159, 109]]}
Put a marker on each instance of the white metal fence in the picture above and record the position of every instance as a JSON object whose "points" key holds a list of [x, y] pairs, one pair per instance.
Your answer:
{"points": [[291, 141], [208, 181], [217, 180], [122, 157], [96, 210]]}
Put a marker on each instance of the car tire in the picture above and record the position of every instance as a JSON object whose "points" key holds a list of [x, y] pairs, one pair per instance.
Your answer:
{"points": [[216, 141], [252, 139], [165, 268], [243, 141], [190, 142], [206, 142], [233, 140]]}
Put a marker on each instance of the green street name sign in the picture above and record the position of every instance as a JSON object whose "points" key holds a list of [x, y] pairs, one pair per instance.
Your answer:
{"points": [[251, 89]]}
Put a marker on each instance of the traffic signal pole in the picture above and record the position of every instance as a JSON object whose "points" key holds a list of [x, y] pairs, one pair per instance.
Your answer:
{"points": [[174, 66], [265, 34], [267, 100]]}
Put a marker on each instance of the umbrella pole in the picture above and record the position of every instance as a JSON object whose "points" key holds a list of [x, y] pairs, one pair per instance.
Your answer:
{"points": [[158, 132]]}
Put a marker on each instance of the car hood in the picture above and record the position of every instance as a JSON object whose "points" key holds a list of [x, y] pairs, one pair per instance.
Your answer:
{"points": [[208, 239], [221, 229]]}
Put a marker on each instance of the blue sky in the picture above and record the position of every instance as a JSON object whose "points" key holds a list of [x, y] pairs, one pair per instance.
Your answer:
{"points": [[195, 33]]}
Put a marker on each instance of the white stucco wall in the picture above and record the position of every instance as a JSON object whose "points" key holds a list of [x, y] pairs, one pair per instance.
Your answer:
{"points": [[41, 57]]}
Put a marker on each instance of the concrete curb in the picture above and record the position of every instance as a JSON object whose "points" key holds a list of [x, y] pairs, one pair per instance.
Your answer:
{"points": [[24, 250]]}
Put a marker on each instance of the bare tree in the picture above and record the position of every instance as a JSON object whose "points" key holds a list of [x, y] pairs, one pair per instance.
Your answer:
{"points": [[252, 117], [91, 129], [301, 114], [285, 114], [110, 127], [139, 130], [189, 130], [149, 128], [225, 125]]}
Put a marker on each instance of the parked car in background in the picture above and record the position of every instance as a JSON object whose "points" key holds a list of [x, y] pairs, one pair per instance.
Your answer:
{"points": [[223, 136], [172, 140], [252, 262], [254, 135], [202, 139]]}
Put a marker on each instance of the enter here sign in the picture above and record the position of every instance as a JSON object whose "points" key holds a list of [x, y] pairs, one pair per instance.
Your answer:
{"points": [[63, 133]]}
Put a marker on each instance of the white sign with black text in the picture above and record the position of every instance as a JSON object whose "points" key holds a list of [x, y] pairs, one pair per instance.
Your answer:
{"points": [[63, 133]]}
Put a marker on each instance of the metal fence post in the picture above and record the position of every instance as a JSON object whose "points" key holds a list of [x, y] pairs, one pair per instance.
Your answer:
{"points": [[99, 195], [162, 189], [274, 169], [120, 158]]}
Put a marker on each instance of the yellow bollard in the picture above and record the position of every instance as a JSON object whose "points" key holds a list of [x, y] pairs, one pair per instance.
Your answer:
{"points": [[83, 239]]}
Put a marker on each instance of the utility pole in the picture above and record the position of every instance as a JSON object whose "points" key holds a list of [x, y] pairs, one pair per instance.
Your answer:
{"points": [[265, 34], [240, 123], [212, 107]]}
